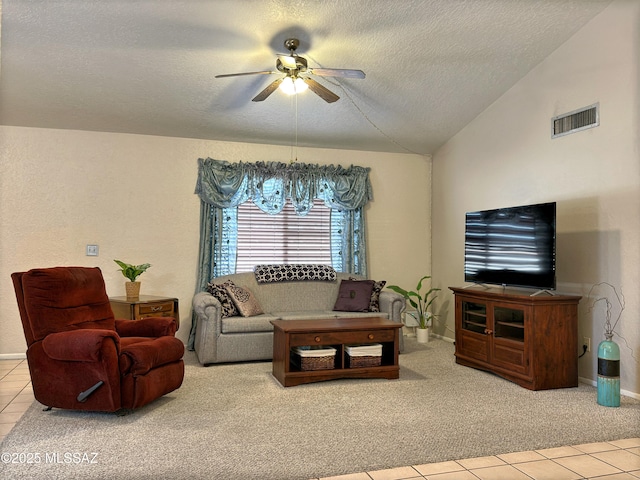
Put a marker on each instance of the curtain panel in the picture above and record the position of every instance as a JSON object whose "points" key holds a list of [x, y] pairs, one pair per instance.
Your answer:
{"points": [[222, 186]]}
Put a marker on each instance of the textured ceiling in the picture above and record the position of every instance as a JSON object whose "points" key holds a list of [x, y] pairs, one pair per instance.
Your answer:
{"points": [[148, 67]]}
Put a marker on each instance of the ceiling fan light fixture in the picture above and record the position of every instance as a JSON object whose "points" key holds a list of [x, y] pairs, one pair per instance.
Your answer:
{"points": [[291, 83], [288, 62], [292, 87]]}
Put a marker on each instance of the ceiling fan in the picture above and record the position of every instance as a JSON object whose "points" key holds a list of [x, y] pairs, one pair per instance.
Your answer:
{"points": [[296, 74]]}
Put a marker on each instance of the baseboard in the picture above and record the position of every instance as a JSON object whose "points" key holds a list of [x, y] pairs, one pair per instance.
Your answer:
{"points": [[432, 335], [588, 381], [623, 392], [446, 339], [12, 356]]}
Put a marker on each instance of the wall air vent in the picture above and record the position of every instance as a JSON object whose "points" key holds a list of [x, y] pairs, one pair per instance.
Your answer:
{"points": [[575, 121]]}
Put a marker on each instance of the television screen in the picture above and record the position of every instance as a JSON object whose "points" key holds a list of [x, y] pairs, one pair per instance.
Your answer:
{"points": [[513, 246]]}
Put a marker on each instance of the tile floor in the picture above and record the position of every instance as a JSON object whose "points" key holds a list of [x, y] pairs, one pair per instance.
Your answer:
{"points": [[16, 395], [616, 460]]}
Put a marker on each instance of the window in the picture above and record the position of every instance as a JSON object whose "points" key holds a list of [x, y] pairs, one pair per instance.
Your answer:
{"points": [[283, 238]]}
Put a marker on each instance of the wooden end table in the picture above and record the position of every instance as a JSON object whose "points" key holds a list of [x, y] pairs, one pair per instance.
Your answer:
{"points": [[145, 306], [337, 333]]}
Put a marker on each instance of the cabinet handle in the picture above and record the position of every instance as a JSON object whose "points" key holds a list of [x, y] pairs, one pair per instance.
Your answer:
{"points": [[156, 309], [317, 339], [371, 336], [488, 332]]}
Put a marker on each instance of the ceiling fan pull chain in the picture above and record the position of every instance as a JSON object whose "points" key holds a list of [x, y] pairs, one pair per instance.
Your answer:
{"points": [[293, 157], [296, 107]]}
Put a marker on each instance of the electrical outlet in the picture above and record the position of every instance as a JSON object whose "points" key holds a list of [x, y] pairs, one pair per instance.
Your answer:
{"points": [[92, 250], [587, 341]]}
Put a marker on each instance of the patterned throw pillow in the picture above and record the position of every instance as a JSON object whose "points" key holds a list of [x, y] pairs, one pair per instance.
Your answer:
{"points": [[374, 303], [354, 296], [244, 300], [295, 272], [219, 291]]}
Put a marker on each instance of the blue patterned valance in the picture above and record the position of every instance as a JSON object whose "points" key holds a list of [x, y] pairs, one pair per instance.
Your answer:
{"points": [[270, 184]]}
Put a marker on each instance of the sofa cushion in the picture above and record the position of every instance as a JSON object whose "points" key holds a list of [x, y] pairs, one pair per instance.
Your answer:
{"points": [[258, 323], [262, 323], [244, 300], [354, 296], [219, 291], [305, 315], [295, 272], [321, 315], [360, 315], [290, 296]]}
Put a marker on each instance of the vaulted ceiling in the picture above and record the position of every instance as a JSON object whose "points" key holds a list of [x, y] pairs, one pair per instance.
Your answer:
{"points": [[148, 66]]}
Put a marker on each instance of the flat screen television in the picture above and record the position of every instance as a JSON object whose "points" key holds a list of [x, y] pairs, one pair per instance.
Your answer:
{"points": [[513, 246]]}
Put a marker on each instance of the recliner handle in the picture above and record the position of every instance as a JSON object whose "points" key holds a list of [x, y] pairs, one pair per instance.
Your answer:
{"points": [[82, 397]]}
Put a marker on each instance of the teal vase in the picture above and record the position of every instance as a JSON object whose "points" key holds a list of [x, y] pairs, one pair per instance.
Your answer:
{"points": [[608, 373]]}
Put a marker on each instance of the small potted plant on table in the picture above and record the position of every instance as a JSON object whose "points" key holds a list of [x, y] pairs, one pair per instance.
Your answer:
{"points": [[421, 302], [131, 272]]}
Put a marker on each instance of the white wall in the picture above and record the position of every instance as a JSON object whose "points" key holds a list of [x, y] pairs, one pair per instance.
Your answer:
{"points": [[506, 157], [133, 196]]}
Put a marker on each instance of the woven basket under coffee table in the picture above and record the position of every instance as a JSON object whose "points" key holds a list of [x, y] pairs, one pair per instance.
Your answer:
{"points": [[360, 356], [309, 358]]}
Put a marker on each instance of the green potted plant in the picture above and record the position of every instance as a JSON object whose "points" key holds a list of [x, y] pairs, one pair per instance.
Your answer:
{"points": [[421, 302], [132, 272]]}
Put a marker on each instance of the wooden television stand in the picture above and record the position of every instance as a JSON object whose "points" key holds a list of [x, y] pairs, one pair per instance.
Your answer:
{"points": [[530, 340]]}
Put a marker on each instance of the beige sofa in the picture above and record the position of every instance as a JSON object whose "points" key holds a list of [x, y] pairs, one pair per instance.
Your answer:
{"points": [[221, 339]]}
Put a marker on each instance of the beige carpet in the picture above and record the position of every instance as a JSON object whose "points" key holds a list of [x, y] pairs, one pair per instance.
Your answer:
{"points": [[236, 422]]}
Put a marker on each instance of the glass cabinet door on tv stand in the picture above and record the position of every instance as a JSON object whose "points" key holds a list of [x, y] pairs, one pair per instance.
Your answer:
{"points": [[474, 317], [508, 323]]}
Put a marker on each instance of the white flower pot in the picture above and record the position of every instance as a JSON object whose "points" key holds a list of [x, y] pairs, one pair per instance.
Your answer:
{"points": [[423, 335]]}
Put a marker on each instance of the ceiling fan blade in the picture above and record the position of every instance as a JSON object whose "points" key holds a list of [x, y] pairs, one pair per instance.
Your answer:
{"points": [[272, 87], [324, 93], [337, 72], [266, 72]]}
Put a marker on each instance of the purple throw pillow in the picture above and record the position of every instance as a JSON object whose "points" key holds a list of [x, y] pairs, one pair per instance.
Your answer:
{"points": [[354, 296]]}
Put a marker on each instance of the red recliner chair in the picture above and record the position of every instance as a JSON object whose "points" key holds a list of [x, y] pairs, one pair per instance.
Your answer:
{"points": [[82, 358]]}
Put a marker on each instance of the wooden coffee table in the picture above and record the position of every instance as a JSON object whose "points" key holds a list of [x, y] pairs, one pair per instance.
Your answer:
{"points": [[336, 333]]}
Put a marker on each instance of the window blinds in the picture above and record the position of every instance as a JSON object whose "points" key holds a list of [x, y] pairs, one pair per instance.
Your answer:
{"points": [[283, 238]]}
